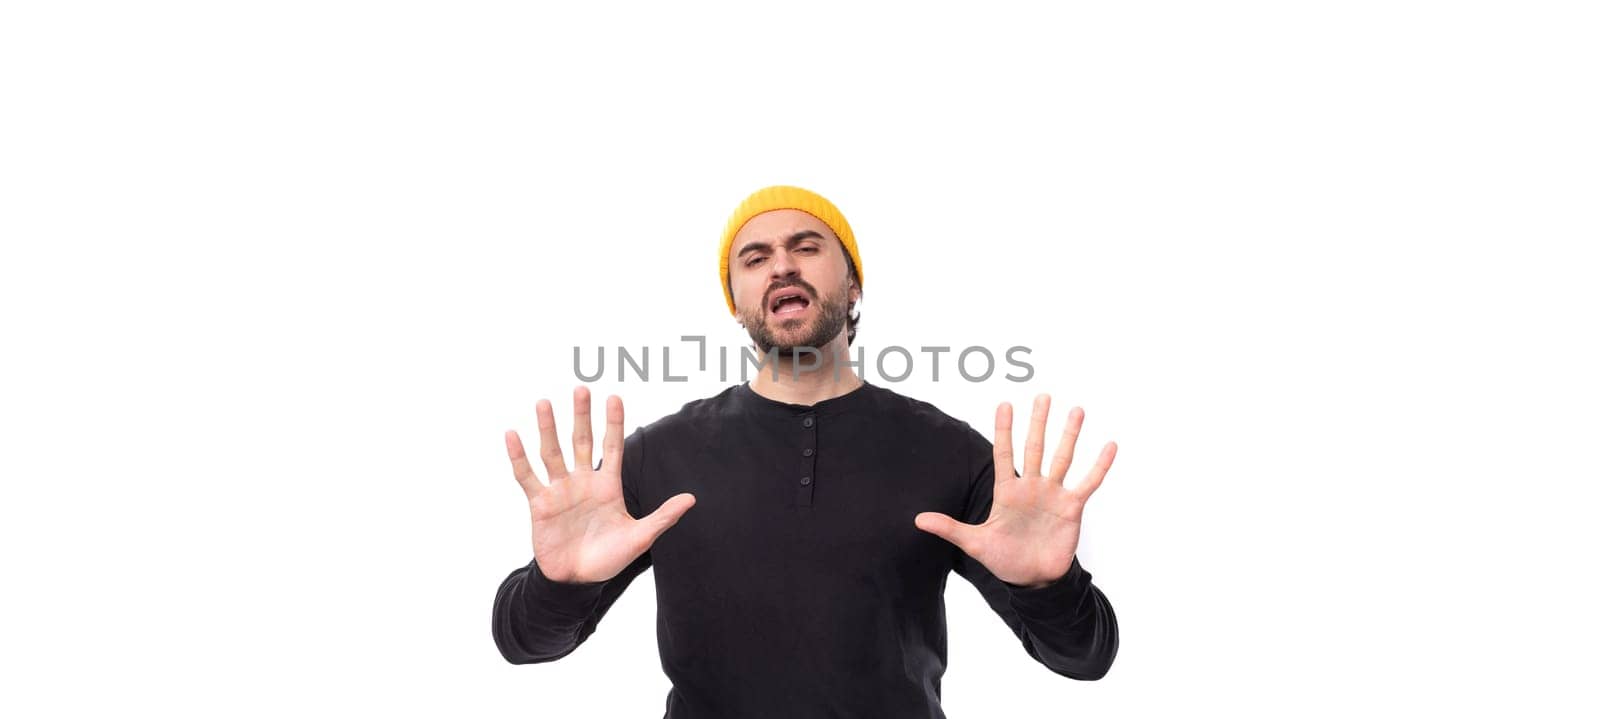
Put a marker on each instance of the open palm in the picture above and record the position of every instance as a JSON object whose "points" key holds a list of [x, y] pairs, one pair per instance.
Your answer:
{"points": [[1032, 531], [582, 531]]}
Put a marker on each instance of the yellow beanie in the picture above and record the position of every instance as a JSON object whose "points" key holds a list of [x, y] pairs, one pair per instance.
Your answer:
{"points": [[786, 197]]}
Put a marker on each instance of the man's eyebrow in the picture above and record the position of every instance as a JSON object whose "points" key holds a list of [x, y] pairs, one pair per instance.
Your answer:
{"points": [[790, 240]]}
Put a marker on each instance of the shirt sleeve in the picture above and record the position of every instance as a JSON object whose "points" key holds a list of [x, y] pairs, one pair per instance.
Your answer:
{"points": [[537, 619], [1067, 625]]}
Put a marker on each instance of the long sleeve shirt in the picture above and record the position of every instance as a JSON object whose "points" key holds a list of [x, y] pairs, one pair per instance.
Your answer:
{"points": [[798, 584]]}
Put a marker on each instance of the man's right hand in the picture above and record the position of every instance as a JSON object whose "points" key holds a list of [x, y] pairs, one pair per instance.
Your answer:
{"points": [[582, 531]]}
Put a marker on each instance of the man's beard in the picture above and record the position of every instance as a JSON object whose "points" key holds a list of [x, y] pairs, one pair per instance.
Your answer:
{"points": [[831, 315]]}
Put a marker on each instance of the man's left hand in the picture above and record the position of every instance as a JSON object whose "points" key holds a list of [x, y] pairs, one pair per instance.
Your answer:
{"points": [[1032, 532]]}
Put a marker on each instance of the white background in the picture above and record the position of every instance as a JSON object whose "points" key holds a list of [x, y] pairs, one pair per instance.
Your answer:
{"points": [[276, 277]]}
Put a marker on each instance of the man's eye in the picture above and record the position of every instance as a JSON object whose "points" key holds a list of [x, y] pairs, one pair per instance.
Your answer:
{"points": [[808, 249], [754, 261]]}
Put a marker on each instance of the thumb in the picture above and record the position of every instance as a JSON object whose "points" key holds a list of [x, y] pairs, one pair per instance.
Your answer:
{"points": [[666, 515], [941, 525]]}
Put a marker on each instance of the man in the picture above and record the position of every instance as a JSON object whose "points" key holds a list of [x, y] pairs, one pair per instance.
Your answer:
{"points": [[802, 525]]}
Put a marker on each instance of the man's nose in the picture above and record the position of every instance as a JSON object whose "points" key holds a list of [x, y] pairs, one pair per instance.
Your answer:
{"points": [[783, 265]]}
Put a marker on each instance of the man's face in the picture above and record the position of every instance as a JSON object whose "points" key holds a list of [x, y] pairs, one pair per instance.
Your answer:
{"points": [[791, 281]]}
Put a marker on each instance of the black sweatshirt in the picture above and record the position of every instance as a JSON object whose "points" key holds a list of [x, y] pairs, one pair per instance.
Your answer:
{"points": [[798, 585]]}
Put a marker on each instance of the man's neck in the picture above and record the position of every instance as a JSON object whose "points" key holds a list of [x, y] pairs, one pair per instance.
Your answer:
{"points": [[831, 376]]}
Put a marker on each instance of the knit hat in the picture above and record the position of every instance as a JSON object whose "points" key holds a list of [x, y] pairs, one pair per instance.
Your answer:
{"points": [[786, 197]]}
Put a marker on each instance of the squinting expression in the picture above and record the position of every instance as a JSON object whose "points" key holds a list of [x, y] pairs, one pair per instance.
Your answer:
{"points": [[778, 261]]}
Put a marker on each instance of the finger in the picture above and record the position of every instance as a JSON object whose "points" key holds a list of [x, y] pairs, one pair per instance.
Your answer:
{"points": [[520, 467], [612, 443], [549, 446], [1069, 441], [1098, 474], [946, 528], [1033, 449], [1003, 468], [582, 430], [665, 516]]}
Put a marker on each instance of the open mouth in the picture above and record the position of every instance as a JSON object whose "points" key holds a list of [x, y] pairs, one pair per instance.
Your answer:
{"points": [[788, 302]]}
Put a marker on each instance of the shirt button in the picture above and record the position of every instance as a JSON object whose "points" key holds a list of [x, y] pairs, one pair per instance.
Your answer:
{"points": [[809, 451], [805, 480], [808, 422]]}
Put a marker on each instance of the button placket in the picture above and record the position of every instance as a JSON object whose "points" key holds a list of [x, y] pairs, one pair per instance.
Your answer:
{"points": [[808, 460]]}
